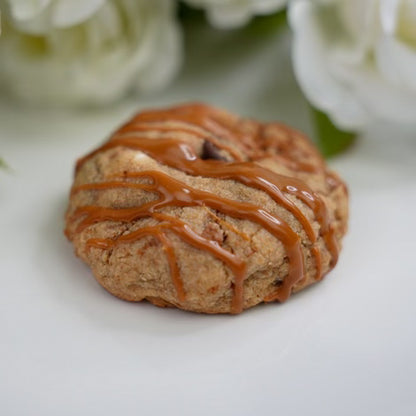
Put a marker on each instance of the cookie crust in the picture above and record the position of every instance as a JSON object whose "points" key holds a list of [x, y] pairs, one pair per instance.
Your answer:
{"points": [[197, 208]]}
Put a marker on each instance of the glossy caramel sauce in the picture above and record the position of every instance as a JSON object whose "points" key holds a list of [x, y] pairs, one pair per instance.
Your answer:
{"points": [[218, 159]]}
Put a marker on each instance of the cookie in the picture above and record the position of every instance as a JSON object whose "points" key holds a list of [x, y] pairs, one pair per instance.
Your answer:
{"points": [[196, 208]]}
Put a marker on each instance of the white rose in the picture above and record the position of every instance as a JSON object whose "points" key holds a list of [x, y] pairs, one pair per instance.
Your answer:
{"points": [[87, 51], [356, 59], [39, 16], [233, 13]]}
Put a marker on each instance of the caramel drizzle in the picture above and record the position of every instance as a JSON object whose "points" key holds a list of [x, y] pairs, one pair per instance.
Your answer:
{"points": [[201, 116], [153, 126], [175, 193], [171, 192], [181, 156], [157, 232], [197, 115]]}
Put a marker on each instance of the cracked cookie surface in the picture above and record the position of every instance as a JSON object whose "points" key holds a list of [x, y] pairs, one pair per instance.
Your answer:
{"points": [[194, 207]]}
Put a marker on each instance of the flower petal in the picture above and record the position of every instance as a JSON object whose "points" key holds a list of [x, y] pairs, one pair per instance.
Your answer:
{"points": [[397, 63], [380, 99], [312, 65], [123, 45], [70, 12], [389, 11], [27, 9], [360, 22], [355, 92], [234, 13], [406, 27]]}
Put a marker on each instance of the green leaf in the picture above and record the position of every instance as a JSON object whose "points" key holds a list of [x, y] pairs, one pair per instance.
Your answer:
{"points": [[331, 140], [3, 164], [189, 14]]}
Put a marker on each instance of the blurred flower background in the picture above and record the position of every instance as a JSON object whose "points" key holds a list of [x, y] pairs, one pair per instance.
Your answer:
{"points": [[234, 13], [355, 60], [73, 52]]}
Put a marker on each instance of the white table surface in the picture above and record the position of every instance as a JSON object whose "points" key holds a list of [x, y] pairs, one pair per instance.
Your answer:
{"points": [[346, 346]]}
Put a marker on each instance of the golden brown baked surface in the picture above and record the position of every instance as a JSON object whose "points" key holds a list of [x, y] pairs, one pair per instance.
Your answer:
{"points": [[194, 207]]}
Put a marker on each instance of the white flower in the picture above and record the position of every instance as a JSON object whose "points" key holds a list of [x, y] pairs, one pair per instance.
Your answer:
{"points": [[356, 59], [39, 16], [233, 13], [87, 51]]}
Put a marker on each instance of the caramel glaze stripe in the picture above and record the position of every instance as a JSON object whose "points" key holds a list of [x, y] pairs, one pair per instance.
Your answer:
{"points": [[130, 136], [173, 266], [236, 265], [250, 174], [181, 156], [329, 175], [175, 193], [196, 115], [285, 159], [205, 135], [156, 232], [202, 116], [218, 123], [318, 262], [108, 185]]}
